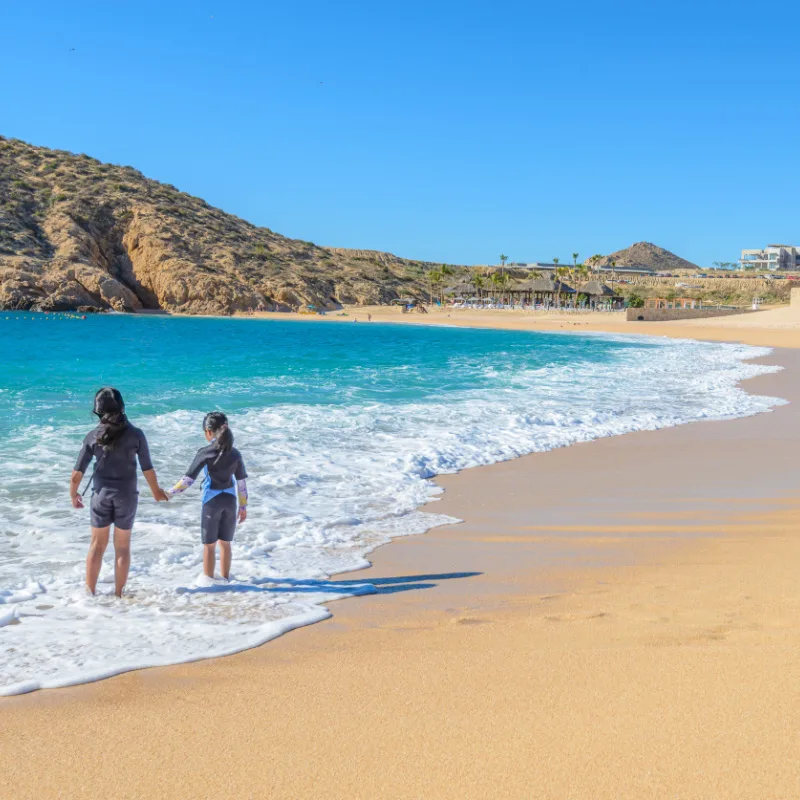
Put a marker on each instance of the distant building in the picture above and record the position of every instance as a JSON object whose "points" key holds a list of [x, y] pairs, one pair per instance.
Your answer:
{"points": [[534, 266], [627, 270], [772, 257]]}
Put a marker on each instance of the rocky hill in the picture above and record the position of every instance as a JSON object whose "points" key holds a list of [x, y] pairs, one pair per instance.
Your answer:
{"points": [[645, 254], [77, 233]]}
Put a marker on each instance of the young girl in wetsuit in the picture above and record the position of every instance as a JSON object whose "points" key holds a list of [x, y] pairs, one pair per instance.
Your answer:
{"points": [[224, 481], [116, 445]]}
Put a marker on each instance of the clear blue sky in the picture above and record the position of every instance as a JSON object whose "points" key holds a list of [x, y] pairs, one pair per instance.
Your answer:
{"points": [[447, 131]]}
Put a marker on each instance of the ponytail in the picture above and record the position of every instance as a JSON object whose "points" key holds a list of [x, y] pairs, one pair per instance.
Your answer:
{"points": [[217, 423], [110, 408]]}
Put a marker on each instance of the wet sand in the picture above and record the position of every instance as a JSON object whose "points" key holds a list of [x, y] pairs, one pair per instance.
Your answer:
{"points": [[617, 619]]}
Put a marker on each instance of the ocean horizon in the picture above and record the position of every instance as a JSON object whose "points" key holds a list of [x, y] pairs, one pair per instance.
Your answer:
{"points": [[341, 427]]}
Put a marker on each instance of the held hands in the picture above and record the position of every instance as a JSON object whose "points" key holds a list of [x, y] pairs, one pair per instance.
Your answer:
{"points": [[242, 513], [160, 495], [77, 501]]}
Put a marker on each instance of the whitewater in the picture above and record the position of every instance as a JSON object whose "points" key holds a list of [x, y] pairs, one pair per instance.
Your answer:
{"points": [[341, 428]]}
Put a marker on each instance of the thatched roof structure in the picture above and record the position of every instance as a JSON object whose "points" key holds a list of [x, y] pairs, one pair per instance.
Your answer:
{"points": [[542, 286], [596, 289]]}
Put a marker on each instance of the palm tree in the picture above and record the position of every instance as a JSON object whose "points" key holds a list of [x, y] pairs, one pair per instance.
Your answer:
{"points": [[498, 282], [555, 275], [505, 279], [593, 261], [434, 279], [479, 282], [578, 274], [572, 274], [575, 259], [560, 274], [613, 265], [503, 259], [445, 271]]}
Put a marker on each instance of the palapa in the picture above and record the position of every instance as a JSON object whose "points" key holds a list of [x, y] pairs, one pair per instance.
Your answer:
{"points": [[596, 289], [543, 286]]}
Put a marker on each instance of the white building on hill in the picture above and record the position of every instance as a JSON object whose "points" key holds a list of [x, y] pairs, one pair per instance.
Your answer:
{"points": [[772, 257]]}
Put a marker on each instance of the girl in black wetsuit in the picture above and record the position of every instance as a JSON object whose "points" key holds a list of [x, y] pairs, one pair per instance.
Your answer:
{"points": [[116, 445], [224, 481]]}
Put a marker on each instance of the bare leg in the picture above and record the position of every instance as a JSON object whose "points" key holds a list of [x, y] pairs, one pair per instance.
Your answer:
{"points": [[225, 559], [94, 560], [209, 558], [122, 558]]}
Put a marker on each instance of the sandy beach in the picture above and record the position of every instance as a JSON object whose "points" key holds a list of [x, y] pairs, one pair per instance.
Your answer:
{"points": [[776, 327], [616, 619]]}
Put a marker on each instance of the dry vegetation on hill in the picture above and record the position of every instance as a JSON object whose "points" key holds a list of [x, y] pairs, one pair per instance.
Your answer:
{"points": [[647, 254], [730, 290], [77, 233]]}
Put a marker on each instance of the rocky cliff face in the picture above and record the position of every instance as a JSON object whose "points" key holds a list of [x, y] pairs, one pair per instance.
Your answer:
{"points": [[76, 233], [645, 254]]}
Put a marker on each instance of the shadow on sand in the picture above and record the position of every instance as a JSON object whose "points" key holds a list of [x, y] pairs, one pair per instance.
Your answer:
{"points": [[350, 588]]}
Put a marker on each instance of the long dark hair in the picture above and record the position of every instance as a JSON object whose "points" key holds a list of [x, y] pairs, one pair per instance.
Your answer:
{"points": [[217, 423], [110, 408]]}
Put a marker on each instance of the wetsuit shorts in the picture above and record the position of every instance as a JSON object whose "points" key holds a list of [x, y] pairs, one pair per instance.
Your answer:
{"points": [[113, 506], [218, 519]]}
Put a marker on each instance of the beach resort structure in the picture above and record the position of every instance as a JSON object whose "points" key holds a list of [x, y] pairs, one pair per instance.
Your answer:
{"points": [[540, 292], [772, 257]]}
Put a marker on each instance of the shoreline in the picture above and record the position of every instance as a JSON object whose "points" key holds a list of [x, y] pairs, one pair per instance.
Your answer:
{"points": [[496, 519], [320, 612], [758, 328], [775, 327]]}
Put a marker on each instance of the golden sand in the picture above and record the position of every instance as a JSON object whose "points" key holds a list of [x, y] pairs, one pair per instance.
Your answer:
{"points": [[616, 619], [776, 327]]}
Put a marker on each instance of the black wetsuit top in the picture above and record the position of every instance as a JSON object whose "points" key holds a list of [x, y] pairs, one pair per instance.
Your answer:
{"points": [[221, 468], [116, 469]]}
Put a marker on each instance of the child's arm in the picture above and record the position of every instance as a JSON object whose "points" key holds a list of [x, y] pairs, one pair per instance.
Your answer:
{"points": [[190, 477], [146, 465], [81, 465], [152, 481], [181, 486], [74, 486], [241, 490]]}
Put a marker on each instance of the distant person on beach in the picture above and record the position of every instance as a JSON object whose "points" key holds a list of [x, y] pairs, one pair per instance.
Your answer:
{"points": [[115, 445], [224, 481]]}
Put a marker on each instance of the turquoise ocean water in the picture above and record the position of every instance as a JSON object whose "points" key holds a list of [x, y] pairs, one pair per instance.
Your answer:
{"points": [[340, 426]]}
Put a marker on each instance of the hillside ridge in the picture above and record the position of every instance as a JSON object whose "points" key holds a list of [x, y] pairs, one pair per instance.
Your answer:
{"points": [[647, 254], [79, 233]]}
